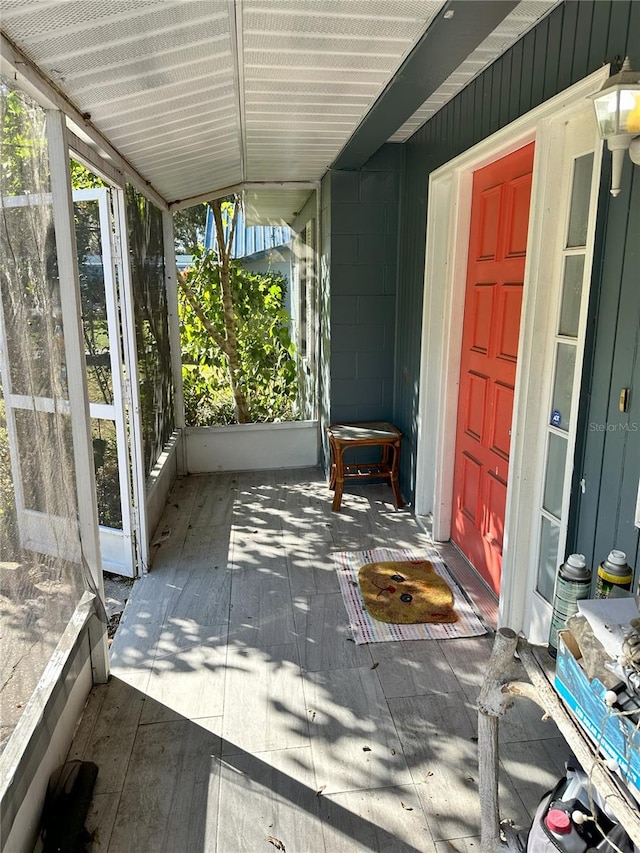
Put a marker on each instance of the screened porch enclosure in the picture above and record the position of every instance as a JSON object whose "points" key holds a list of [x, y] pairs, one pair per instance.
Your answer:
{"points": [[86, 419], [89, 368], [43, 567]]}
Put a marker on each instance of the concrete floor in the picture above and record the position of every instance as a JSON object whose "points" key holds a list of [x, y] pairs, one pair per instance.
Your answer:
{"points": [[240, 716]]}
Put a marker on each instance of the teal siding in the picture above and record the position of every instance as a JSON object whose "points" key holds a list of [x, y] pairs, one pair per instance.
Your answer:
{"points": [[363, 269], [610, 458], [576, 39]]}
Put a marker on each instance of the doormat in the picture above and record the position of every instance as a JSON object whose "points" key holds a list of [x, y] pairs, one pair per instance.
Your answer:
{"points": [[406, 592], [366, 629]]}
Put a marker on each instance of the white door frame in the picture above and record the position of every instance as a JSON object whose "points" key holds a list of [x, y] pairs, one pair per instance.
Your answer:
{"points": [[57, 535], [116, 546], [448, 221], [132, 383]]}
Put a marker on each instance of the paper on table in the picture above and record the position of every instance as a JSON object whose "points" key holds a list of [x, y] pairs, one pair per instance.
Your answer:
{"points": [[609, 619]]}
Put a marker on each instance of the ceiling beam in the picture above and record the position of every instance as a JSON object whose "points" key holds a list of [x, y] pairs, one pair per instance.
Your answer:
{"points": [[220, 192], [456, 31]]}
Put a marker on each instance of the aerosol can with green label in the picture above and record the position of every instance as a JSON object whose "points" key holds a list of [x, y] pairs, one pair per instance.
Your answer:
{"points": [[613, 572], [572, 584]]}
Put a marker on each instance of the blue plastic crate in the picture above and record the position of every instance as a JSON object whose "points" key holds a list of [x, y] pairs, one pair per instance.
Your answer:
{"points": [[617, 737]]}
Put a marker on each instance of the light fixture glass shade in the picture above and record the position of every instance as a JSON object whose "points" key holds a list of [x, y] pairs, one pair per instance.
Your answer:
{"points": [[618, 110]]}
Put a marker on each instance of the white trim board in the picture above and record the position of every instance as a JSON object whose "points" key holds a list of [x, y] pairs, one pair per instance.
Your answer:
{"points": [[252, 447], [448, 219], [160, 481]]}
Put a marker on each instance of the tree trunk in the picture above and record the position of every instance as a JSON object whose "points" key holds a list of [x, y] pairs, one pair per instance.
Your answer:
{"points": [[231, 348]]}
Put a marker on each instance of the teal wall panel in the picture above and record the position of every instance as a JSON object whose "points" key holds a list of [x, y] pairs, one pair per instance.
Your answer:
{"points": [[576, 39], [364, 213], [610, 458]]}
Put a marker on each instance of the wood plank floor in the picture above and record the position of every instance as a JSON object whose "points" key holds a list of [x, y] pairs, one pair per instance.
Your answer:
{"points": [[241, 716]]}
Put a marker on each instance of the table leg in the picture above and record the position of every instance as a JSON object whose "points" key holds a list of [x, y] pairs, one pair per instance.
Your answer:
{"points": [[332, 465], [395, 485], [338, 477]]}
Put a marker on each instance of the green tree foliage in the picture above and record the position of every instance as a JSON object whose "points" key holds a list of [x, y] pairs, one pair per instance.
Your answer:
{"points": [[23, 165], [189, 227], [7, 497], [83, 179], [265, 349], [22, 145]]}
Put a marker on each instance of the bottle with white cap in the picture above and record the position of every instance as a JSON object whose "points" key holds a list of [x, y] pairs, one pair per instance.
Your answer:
{"points": [[613, 572], [572, 584]]}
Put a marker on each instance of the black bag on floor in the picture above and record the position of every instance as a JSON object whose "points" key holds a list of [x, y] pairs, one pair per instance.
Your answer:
{"points": [[65, 808]]}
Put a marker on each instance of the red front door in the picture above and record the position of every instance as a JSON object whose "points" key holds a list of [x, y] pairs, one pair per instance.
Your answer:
{"points": [[495, 274]]}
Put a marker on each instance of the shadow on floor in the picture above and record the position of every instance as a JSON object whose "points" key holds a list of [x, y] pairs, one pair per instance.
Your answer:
{"points": [[167, 796]]}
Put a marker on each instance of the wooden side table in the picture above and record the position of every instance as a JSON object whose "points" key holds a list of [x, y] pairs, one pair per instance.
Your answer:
{"points": [[343, 437]]}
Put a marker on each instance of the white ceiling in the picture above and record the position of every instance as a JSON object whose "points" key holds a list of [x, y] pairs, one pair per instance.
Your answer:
{"points": [[199, 95]]}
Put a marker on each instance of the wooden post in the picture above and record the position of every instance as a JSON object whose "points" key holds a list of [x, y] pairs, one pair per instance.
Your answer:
{"points": [[492, 704]]}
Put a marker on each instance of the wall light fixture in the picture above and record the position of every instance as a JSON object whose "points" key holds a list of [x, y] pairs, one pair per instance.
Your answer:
{"points": [[617, 107]]}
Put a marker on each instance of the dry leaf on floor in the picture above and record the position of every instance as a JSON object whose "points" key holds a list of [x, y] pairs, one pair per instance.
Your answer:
{"points": [[375, 665], [405, 806], [320, 790], [276, 843], [164, 535], [366, 749]]}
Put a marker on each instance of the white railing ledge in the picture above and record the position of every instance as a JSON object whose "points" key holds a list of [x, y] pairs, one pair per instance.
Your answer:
{"points": [[36, 706]]}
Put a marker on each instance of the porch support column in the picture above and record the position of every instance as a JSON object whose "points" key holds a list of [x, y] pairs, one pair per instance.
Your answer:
{"points": [[171, 284], [71, 305]]}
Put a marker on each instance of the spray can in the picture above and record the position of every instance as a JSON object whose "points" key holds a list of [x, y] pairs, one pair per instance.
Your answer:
{"points": [[613, 572], [572, 584]]}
